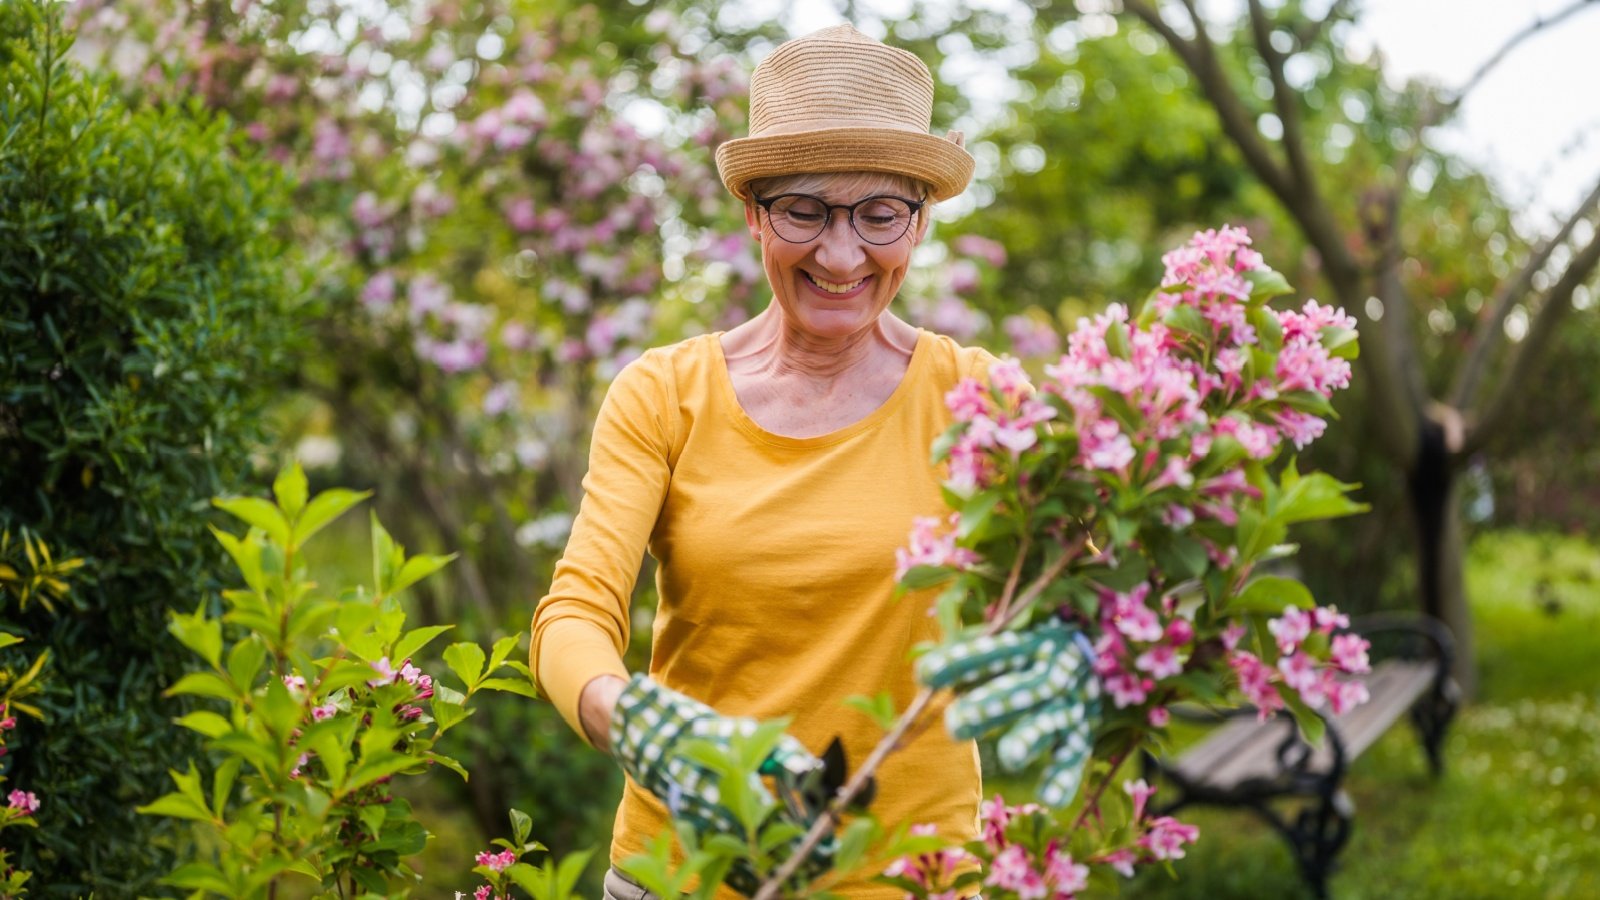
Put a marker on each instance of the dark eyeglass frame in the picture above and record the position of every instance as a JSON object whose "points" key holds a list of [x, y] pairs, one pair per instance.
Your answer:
{"points": [[850, 208]]}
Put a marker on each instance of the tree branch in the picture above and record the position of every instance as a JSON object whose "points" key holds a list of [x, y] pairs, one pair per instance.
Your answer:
{"points": [[1538, 24], [1489, 331], [1310, 30], [1285, 102], [1530, 353]]}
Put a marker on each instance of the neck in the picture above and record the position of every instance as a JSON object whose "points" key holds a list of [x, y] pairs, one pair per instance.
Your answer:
{"points": [[785, 349]]}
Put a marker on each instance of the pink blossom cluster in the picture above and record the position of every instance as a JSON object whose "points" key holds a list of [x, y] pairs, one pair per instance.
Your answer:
{"points": [[931, 872], [1318, 684], [1163, 837], [408, 673], [26, 801], [931, 548], [1139, 646], [1031, 336], [1003, 417], [497, 862]]}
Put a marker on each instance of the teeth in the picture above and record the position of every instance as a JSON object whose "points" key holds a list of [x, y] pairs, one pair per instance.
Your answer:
{"points": [[832, 288]]}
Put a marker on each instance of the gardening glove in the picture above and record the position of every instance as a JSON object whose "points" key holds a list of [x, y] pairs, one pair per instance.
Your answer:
{"points": [[649, 729], [1039, 684]]}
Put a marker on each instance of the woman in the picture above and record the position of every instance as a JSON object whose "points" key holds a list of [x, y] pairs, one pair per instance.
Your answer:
{"points": [[774, 469]]}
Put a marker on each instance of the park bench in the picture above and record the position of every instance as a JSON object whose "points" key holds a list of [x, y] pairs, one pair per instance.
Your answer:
{"points": [[1254, 765]]}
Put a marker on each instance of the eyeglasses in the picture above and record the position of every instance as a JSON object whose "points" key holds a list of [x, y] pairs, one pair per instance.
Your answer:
{"points": [[798, 218]]}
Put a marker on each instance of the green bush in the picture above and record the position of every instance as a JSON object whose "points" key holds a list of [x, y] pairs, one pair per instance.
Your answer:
{"points": [[142, 328]]}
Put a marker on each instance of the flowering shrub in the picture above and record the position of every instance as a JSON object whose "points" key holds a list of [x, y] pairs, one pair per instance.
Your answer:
{"points": [[324, 708], [551, 881], [1133, 495]]}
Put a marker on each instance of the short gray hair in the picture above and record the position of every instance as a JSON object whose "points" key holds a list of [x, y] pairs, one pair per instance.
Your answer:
{"points": [[851, 183]]}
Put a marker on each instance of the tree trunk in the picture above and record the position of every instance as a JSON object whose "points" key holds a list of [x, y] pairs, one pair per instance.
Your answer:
{"points": [[1435, 486]]}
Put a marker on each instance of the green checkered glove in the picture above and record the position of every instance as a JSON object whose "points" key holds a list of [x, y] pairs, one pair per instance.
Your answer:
{"points": [[649, 729], [1039, 684]]}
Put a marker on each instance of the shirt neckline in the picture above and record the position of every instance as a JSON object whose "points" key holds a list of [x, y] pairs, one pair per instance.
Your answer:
{"points": [[750, 426]]}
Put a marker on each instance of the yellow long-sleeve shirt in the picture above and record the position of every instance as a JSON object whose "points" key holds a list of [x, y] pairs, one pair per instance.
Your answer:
{"points": [[776, 575]]}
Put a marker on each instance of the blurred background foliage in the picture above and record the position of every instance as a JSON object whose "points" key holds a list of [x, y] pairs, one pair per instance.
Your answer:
{"points": [[480, 210]]}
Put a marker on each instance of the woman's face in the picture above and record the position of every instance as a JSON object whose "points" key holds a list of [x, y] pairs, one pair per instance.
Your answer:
{"points": [[836, 284]]}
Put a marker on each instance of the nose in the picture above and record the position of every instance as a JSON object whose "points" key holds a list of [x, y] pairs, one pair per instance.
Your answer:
{"points": [[838, 248]]}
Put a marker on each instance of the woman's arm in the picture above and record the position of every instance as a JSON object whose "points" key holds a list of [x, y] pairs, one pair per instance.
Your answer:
{"points": [[596, 706], [581, 627]]}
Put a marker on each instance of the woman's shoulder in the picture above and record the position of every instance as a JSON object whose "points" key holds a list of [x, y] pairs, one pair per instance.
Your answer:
{"points": [[951, 361]]}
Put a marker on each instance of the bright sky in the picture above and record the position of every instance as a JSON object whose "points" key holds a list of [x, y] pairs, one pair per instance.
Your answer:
{"points": [[1533, 124]]}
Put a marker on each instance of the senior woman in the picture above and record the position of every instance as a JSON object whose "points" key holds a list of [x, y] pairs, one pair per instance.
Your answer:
{"points": [[773, 470]]}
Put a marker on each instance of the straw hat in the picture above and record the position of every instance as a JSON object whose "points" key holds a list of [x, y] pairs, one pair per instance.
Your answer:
{"points": [[840, 101]]}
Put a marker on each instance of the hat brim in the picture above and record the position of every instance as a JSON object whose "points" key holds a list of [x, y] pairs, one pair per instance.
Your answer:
{"points": [[946, 167]]}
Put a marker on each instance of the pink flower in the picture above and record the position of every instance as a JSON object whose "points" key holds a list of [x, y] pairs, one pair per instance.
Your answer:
{"points": [[378, 292], [1255, 682], [8, 723], [292, 682], [929, 548], [1349, 653], [1031, 338], [1300, 672], [325, 711], [995, 816], [1127, 689], [1158, 717], [520, 214], [1346, 695], [1102, 445], [1140, 792], [1161, 661], [962, 276], [1290, 629], [1008, 377], [1328, 618], [497, 862], [25, 801], [991, 252], [1179, 632], [1300, 428], [1133, 618], [968, 400], [1013, 871], [1232, 635], [1120, 860], [484, 892], [1064, 875], [386, 673], [1166, 838]]}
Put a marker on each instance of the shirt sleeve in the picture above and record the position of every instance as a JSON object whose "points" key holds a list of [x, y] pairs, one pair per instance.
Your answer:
{"points": [[580, 629]]}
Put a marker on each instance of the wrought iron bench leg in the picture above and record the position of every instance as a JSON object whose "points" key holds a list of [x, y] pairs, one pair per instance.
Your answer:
{"points": [[1319, 832], [1432, 716]]}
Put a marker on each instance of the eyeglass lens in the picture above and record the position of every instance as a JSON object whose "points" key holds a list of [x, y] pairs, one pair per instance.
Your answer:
{"points": [[879, 220]]}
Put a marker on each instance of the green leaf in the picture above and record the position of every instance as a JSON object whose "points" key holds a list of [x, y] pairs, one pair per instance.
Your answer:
{"points": [[853, 843], [1312, 726], [246, 555], [7, 639], [1266, 284], [415, 640], [568, 871], [279, 711], [377, 765], [207, 723], [199, 633], [177, 806], [975, 513], [448, 763], [417, 568], [1269, 331], [1341, 343], [466, 660], [502, 649], [204, 684], [259, 513], [1188, 319], [920, 577], [1315, 496], [1271, 595], [879, 708], [201, 877], [521, 827], [447, 715], [324, 508], [290, 489], [510, 686], [244, 661], [222, 782]]}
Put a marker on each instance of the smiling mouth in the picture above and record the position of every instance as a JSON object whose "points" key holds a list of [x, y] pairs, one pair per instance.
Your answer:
{"points": [[833, 287]]}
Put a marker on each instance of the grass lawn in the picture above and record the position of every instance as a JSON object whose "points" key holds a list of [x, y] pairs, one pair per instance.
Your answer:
{"points": [[1515, 812]]}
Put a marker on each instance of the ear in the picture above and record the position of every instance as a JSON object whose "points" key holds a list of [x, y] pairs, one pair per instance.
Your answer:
{"points": [[752, 220]]}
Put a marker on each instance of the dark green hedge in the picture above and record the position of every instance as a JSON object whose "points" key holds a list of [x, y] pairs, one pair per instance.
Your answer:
{"points": [[143, 327]]}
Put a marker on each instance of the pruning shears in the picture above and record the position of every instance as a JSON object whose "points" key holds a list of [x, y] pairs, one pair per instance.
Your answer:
{"points": [[806, 793]]}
